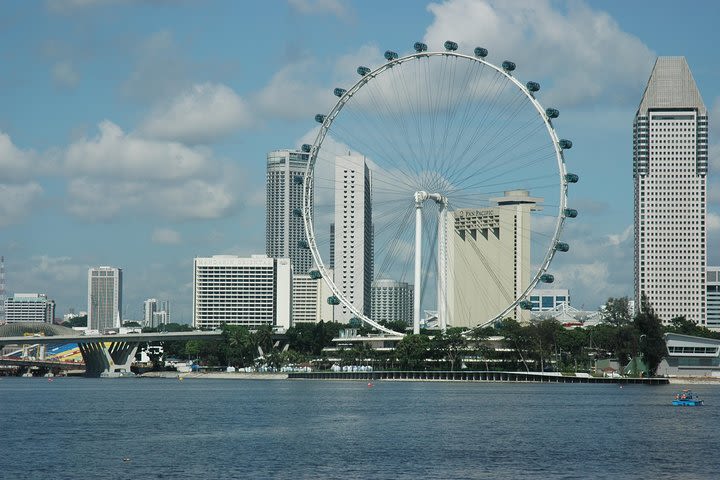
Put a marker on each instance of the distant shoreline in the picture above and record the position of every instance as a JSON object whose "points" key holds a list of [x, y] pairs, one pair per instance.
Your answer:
{"points": [[217, 375]]}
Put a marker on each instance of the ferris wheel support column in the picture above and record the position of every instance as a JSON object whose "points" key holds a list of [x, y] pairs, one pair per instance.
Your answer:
{"points": [[442, 267], [418, 261]]}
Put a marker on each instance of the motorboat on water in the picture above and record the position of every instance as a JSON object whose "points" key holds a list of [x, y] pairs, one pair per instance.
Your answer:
{"points": [[687, 398]]}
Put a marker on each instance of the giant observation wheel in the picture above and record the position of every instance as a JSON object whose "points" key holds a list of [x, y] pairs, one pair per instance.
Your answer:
{"points": [[438, 173]]}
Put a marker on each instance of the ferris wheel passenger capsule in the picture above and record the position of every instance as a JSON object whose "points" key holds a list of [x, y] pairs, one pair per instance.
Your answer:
{"points": [[306, 147], [552, 112], [297, 212], [390, 55], [420, 47], [525, 305], [565, 144], [562, 247], [315, 274], [547, 278], [339, 92], [363, 71], [571, 178], [451, 46], [303, 244], [298, 180], [333, 300], [508, 66], [481, 52], [320, 118], [571, 212], [533, 86]]}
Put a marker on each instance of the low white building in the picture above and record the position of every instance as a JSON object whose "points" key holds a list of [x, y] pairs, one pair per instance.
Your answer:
{"points": [[309, 300], [235, 290], [689, 356], [543, 299]]}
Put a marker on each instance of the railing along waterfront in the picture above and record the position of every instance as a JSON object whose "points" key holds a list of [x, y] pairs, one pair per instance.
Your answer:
{"points": [[472, 376]]}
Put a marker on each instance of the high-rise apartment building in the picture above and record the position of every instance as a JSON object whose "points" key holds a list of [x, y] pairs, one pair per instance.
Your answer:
{"points": [[353, 234], [104, 298], [392, 301], [670, 165], [29, 307], [284, 227], [149, 309], [488, 255], [251, 291]]}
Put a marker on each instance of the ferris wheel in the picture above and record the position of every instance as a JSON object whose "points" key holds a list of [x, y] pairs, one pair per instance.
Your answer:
{"points": [[438, 173]]}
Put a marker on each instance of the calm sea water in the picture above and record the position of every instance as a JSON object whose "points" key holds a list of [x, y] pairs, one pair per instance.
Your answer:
{"points": [[207, 429]]}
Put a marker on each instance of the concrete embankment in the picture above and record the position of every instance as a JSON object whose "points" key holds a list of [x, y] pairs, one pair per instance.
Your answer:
{"points": [[465, 376], [694, 380]]}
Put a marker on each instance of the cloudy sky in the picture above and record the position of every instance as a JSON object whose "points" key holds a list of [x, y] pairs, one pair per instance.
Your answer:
{"points": [[134, 133]]}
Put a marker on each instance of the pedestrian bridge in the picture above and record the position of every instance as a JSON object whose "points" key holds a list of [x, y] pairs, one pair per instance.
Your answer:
{"points": [[103, 354]]}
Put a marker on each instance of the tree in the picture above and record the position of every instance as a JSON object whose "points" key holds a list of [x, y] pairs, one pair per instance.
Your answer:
{"points": [[412, 351], [239, 345], [651, 341], [517, 337], [617, 311], [545, 338], [76, 322], [449, 346]]}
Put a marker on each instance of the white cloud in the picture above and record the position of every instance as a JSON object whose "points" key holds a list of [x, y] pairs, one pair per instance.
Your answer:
{"points": [[65, 76], [16, 201], [15, 164], [615, 239], [713, 222], [584, 51], [58, 269], [165, 236], [104, 198], [333, 7], [113, 153], [203, 113], [293, 93]]}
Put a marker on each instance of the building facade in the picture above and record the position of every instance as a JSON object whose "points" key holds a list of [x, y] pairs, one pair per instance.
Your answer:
{"points": [[353, 235], [284, 227], [236, 290], [29, 307], [488, 253], [545, 299], [104, 298], [670, 165], [309, 300], [392, 301], [713, 298], [149, 309]]}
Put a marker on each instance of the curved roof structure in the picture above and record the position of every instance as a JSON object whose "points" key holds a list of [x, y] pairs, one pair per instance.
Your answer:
{"points": [[23, 328]]}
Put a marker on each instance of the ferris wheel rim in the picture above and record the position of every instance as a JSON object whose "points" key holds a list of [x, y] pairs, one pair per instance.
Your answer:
{"points": [[327, 122]]}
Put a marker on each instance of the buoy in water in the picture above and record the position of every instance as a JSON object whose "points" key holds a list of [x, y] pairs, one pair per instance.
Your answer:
{"points": [[370, 385]]}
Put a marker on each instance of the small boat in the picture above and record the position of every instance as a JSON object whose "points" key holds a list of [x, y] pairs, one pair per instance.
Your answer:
{"points": [[687, 398]]}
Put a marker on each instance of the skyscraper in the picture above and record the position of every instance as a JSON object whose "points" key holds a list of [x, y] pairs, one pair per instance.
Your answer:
{"points": [[489, 257], [284, 228], [392, 301], [104, 298], [353, 234], [149, 309], [670, 164]]}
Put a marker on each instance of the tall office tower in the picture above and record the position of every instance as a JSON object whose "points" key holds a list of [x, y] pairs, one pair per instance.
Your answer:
{"points": [[488, 255], [29, 307], [713, 298], [164, 311], [149, 309], [353, 251], [251, 291], [670, 164], [284, 227], [104, 298], [392, 301]]}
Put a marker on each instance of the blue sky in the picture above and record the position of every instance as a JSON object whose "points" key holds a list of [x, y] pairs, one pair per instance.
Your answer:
{"points": [[134, 133]]}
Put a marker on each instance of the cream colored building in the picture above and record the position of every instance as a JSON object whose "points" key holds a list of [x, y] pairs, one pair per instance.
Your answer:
{"points": [[488, 252], [309, 300]]}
